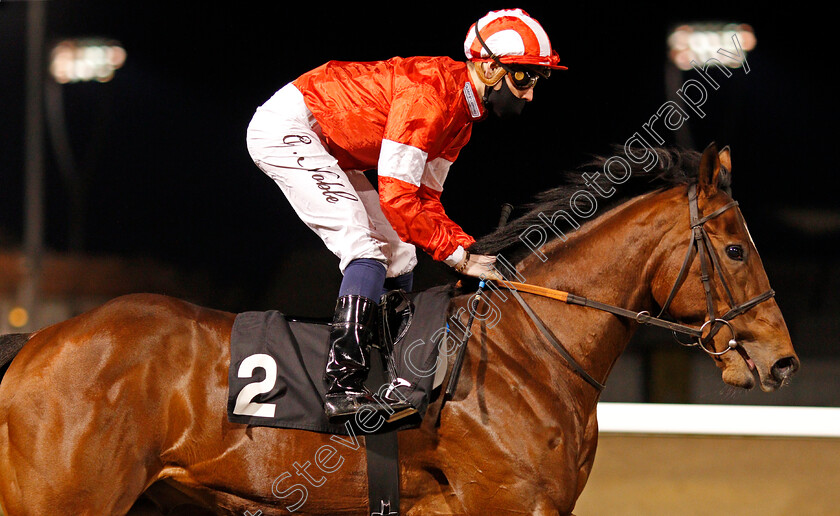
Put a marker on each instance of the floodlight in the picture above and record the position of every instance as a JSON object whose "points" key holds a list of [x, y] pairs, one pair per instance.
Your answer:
{"points": [[88, 59], [701, 42]]}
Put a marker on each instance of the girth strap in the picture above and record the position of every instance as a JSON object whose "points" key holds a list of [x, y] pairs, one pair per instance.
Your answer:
{"points": [[383, 457]]}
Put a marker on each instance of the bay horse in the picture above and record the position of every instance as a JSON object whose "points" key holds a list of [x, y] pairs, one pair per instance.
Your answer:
{"points": [[121, 410]]}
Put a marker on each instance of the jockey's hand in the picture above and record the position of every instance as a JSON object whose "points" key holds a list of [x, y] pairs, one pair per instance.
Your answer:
{"points": [[478, 266]]}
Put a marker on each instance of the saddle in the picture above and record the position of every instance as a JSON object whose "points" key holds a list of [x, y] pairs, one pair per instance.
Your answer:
{"points": [[276, 377], [277, 364]]}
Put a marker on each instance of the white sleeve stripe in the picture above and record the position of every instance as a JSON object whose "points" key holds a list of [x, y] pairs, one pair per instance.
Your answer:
{"points": [[435, 173], [402, 162]]}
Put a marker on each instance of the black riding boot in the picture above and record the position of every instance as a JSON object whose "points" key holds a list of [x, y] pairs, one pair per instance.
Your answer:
{"points": [[352, 332]]}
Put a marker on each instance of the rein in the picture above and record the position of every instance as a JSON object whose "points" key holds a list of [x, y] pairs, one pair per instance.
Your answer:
{"points": [[699, 245]]}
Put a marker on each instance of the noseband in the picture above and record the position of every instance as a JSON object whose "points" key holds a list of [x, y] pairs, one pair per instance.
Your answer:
{"points": [[699, 245]]}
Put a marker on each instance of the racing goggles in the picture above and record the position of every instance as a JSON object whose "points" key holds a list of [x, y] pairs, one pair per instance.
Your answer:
{"points": [[525, 77]]}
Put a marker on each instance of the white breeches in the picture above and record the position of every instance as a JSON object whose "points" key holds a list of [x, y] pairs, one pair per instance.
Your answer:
{"points": [[340, 206]]}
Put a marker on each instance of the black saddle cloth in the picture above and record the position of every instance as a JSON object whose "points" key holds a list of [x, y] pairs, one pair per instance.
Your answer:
{"points": [[276, 374]]}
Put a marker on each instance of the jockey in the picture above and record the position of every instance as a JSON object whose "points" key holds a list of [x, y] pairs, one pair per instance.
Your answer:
{"points": [[408, 118]]}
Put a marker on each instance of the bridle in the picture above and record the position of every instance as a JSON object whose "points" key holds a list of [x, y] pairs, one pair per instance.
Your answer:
{"points": [[699, 245], [702, 246]]}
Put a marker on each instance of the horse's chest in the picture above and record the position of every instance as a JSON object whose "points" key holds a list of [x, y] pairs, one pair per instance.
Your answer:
{"points": [[515, 463]]}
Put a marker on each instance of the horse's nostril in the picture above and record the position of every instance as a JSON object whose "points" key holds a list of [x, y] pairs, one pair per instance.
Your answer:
{"points": [[784, 368]]}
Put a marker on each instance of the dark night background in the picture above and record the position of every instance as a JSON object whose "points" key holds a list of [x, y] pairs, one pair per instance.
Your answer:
{"points": [[162, 146]]}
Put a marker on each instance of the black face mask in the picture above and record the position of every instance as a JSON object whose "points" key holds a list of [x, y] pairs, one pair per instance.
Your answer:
{"points": [[503, 103]]}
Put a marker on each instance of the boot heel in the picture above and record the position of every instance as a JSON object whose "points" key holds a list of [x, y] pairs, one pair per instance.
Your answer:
{"points": [[396, 416]]}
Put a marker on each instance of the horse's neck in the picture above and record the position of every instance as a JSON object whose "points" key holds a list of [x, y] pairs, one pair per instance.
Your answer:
{"points": [[611, 260], [517, 397], [608, 257]]}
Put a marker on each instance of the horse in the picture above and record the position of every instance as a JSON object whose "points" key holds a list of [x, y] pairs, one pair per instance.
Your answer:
{"points": [[120, 410]]}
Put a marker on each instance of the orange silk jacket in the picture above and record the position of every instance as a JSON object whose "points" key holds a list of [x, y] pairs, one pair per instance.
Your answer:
{"points": [[408, 118]]}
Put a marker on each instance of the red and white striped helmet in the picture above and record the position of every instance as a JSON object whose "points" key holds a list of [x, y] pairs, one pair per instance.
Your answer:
{"points": [[513, 37]]}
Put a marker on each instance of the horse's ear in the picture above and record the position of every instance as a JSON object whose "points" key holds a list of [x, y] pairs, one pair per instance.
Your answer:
{"points": [[725, 157], [707, 176], [725, 178]]}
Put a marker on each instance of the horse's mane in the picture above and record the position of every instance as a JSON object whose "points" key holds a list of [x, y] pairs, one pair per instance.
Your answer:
{"points": [[674, 167]]}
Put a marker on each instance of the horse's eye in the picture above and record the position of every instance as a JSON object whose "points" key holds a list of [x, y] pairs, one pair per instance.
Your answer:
{"points": [[735, 252]]}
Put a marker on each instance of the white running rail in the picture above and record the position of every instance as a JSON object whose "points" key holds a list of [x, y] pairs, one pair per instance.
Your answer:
{"points": [[743, 420]]}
